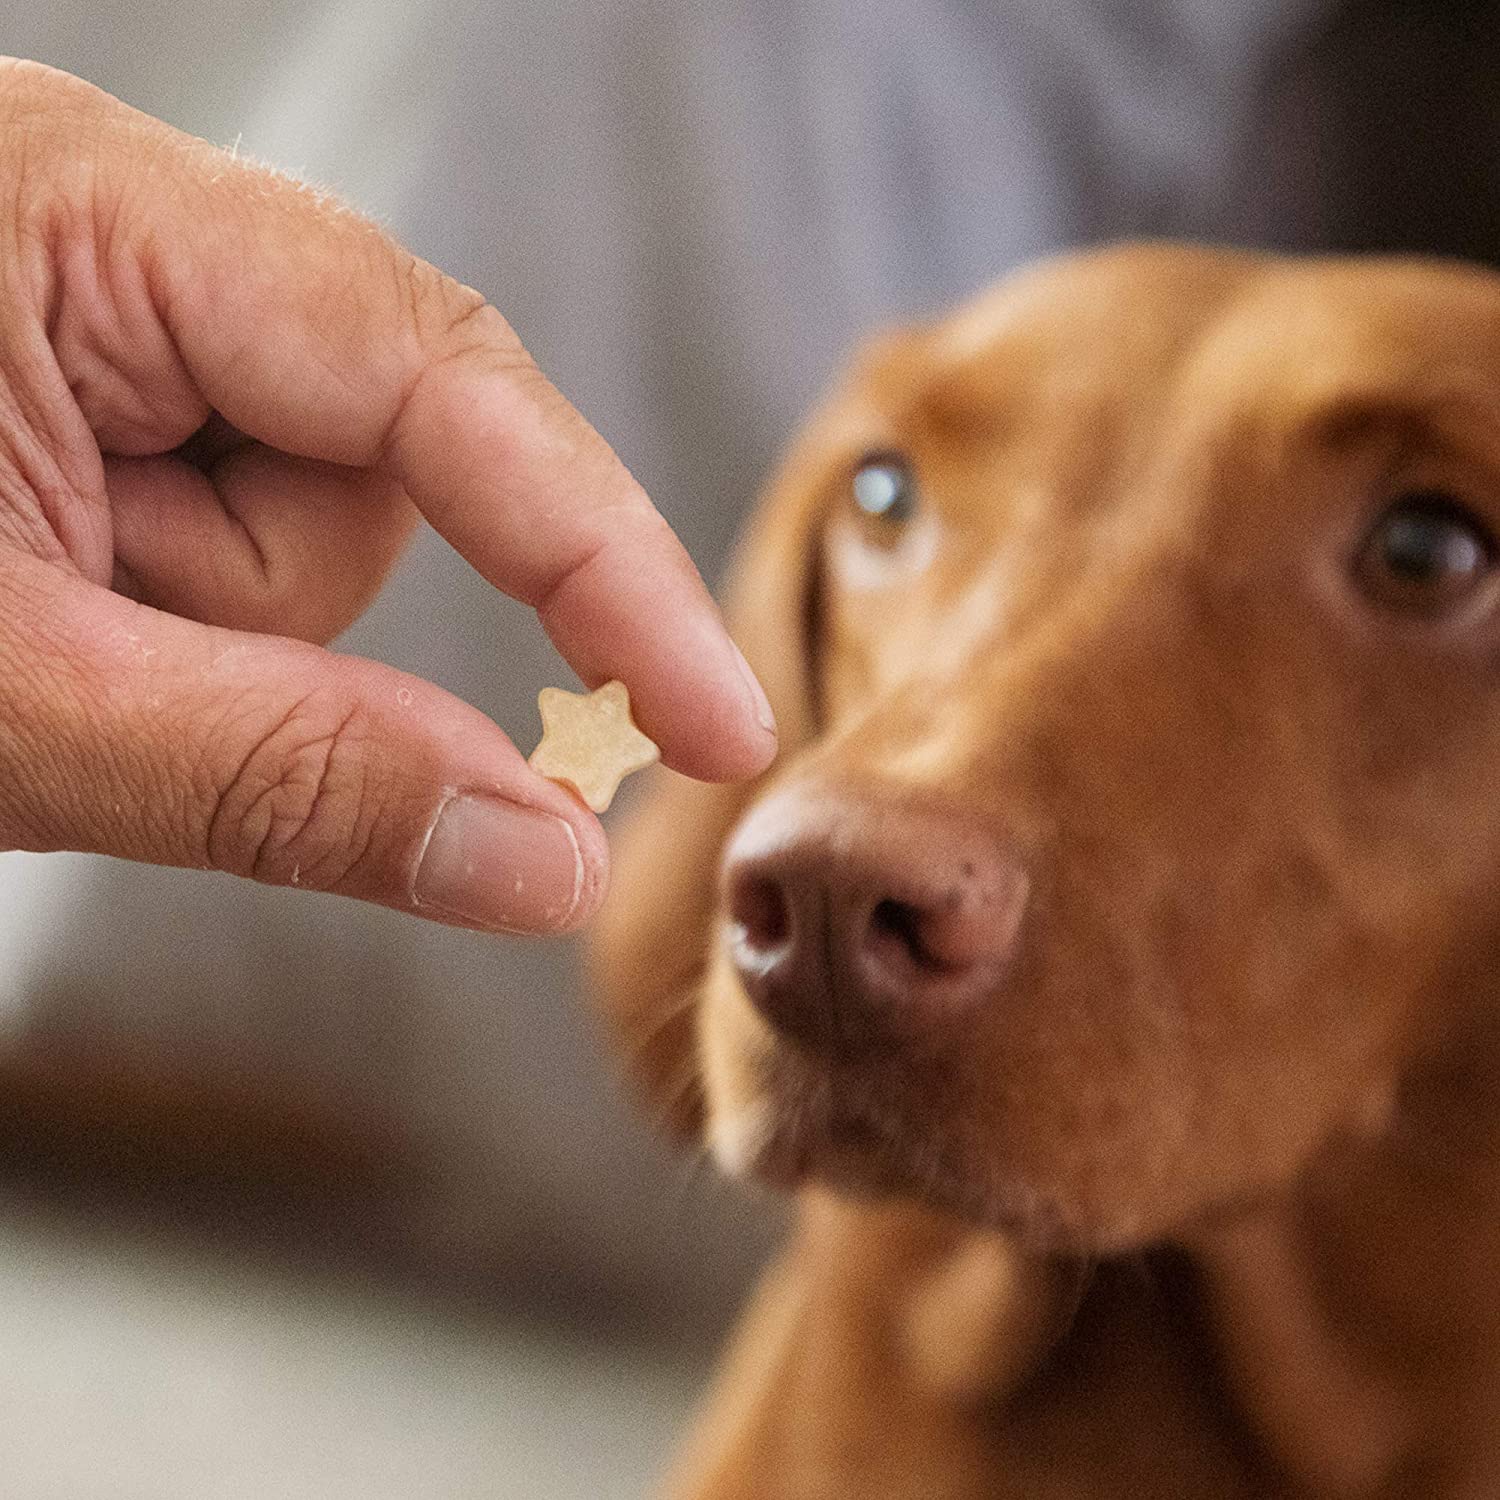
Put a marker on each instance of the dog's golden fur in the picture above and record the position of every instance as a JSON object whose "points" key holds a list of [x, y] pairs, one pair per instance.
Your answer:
{"points": [[1206, 1201]]}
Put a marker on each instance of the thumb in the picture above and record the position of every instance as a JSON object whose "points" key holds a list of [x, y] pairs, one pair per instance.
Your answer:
{"points": [[131, 732]]}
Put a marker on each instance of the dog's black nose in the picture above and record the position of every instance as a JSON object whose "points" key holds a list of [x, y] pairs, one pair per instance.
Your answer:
{"points": [[855, 923]]}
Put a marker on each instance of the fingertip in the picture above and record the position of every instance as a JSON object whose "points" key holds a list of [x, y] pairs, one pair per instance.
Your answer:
{"points": [[763, 742], [727, 757], [718, 727], [760, 705]]}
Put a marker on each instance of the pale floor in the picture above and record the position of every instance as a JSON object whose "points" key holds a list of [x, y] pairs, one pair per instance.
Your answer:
{"points": [[137, 1367]]}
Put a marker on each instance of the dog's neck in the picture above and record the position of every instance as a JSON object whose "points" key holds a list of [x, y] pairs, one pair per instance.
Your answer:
{"points": [[1355, 1321], [1342, 1337]]}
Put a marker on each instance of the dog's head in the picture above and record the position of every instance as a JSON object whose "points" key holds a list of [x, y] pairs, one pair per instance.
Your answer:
{"points": [[1135, 635]]}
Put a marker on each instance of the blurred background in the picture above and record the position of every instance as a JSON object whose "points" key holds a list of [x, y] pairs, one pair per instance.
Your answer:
{"points": [[299, 1198]]}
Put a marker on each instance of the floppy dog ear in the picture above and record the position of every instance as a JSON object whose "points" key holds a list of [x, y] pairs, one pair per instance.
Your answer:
{"points": [[650, 944]]}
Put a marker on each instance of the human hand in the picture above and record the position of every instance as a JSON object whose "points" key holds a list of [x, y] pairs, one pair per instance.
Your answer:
{"points": [[224, 402]]}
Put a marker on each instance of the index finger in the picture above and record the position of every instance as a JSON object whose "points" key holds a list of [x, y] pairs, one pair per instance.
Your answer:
{"points": [[310, 330], [524, 488]]}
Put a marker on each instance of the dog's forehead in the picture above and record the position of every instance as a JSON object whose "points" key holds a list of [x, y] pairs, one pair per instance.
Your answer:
{"points": [[1135, 326], [1077, 324], [1145, 295], [1410, 333]]}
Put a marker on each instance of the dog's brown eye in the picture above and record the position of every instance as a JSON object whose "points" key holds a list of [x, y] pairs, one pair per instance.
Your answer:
{"points": [[885, 489], [1426, 554]]}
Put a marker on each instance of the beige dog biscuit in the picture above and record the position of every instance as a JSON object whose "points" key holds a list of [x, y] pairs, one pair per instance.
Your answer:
{"points": [[590, 742]]}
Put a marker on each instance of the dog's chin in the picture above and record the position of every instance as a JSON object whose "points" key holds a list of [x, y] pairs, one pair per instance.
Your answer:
{"points": [[904, 1128], [814, 1131]]}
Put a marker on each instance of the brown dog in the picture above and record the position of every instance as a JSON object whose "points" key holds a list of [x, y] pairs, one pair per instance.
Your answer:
{"points": [[1109, 959]]}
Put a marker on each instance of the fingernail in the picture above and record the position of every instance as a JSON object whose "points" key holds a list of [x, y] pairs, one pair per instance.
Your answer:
{"points": [[500, 865], [758, 700]]}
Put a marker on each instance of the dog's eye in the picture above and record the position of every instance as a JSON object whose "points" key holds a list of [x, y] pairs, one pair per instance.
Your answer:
{"points": [[885, 489], [1425, 555]]}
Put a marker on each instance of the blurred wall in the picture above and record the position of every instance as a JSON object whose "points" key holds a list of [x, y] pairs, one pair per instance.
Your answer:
{"points": [[690, 211]]}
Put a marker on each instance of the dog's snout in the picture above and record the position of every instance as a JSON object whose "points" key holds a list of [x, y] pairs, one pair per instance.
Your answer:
{"points": [[855, 922]]}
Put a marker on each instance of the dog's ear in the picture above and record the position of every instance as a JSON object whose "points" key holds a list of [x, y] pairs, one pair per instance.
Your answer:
{"points": [[651, 942]]}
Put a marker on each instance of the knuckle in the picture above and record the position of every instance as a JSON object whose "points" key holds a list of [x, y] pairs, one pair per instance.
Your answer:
{"points": [[301, 807], [34, 92], [458, 337], [452, 320], [56, 131]]}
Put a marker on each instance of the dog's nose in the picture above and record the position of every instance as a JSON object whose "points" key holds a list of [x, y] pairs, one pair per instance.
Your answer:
{"points": [[855, 922]]}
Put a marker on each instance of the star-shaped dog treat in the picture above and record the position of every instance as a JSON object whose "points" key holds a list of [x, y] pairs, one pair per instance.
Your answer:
{"points": [[590, 742]]}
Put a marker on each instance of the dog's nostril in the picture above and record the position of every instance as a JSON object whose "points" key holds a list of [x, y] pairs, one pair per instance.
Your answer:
{"points": [[896, 930], [759, 908]]}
